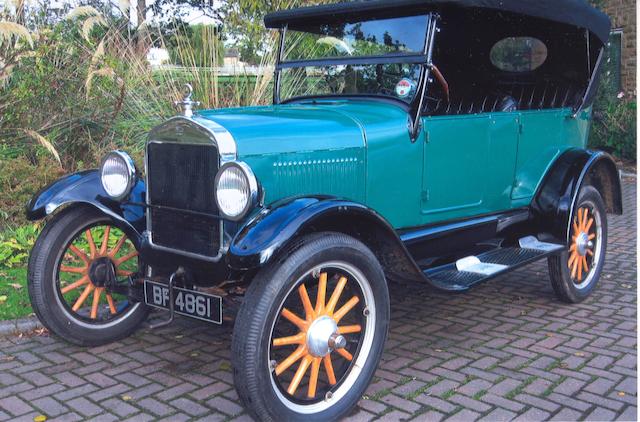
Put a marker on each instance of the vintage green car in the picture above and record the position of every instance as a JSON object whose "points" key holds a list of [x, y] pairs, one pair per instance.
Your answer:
{"points": [[435, 141]]}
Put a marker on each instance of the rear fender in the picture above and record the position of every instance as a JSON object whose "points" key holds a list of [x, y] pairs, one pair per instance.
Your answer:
{"points": [[275, 229], [85, 188], [554, 203]]}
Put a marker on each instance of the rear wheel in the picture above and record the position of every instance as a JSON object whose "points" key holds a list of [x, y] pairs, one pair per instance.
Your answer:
{"points": [[311, 331], [74, 268], [576, 271]]}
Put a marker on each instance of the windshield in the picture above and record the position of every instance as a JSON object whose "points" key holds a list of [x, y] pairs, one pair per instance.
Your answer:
{"points": [[373, 57]]}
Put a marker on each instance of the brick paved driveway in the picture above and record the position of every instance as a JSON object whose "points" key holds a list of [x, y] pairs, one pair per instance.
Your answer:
{"points": [[506, 350]]}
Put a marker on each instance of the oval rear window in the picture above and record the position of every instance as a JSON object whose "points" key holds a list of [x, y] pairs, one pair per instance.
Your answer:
{"points": [[518, 54]]}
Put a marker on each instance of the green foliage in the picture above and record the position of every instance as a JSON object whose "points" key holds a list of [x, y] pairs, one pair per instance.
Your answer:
{"points": [[614, 125], [615, 128], [243, 24], [201, 43], [21, 176], [13, 291], [16, 244]]}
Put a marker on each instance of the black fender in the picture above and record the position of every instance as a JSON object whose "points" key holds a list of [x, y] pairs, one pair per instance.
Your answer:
{"points": [[554, 203], [85, 188], [275, 229]]}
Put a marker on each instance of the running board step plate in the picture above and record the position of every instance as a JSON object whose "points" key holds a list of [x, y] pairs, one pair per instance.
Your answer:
{"points": [[472, 270]]}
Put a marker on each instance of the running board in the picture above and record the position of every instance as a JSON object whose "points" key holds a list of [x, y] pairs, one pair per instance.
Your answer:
{"points": [[469, 271]]}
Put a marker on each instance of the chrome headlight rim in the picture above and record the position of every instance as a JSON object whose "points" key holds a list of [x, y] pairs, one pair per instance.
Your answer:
{"points": [[132, 173], [252, 182]]}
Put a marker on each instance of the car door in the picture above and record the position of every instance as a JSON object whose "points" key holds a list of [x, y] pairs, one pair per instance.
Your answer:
{"points": [[468, 165]]}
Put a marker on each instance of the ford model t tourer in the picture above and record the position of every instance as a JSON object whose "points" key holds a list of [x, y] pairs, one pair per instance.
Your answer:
{"points": [[436, 141]]}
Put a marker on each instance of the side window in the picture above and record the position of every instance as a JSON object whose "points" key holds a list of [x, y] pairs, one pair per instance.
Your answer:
{"points": [[518, 54]]}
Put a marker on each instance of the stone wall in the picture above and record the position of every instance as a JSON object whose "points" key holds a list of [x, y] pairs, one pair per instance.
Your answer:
{"points": [[623, 16]]}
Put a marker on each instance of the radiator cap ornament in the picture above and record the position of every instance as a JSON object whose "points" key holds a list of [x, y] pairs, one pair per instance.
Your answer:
{"points": [[187, 104]]}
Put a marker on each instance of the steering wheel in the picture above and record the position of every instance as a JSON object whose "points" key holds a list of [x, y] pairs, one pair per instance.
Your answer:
{"points": [[441, 80]]}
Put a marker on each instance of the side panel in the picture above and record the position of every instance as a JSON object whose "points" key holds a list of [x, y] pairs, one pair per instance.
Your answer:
{"points": [[544, 135], [455, 160]]}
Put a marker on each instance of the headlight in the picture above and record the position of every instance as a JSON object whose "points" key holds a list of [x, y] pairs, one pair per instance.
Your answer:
{"points": [[236, 190], [118, 174]]}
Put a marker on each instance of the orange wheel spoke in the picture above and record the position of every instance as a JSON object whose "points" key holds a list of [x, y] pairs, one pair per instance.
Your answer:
{"points": [[579, 264], [74, 270], [313, 378], [579, 217], [105, 240], [116, 249], [306, 302], [340, 313], [297, 378], [322, 293], [96, 301], [294, 319], [293, 358], [589, 252], [336, 295], [574, 268], [584, 265], [124, 273], [82, 297], [572, 258], [66, 289], [589, 224], [287, 341], [585, 216], [92, 244], [126, 258], [592, 236], [328, 366], [573, 247], [112, 305], [349, 329], [575, 229], [344, 354], [79, 254]]}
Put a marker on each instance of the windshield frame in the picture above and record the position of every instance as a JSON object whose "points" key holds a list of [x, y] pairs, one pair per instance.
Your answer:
{"points": [[423, 59]]}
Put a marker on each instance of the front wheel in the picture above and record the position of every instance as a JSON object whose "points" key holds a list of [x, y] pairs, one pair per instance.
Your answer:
{"points": [[75, 268], [576, 271], [311, 331]]}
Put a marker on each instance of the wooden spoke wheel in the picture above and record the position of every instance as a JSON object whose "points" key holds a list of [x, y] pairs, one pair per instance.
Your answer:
{"points": [[78, 278], [311, 331], [94, 262], [313, 344], [583, 243], [576, 271]]}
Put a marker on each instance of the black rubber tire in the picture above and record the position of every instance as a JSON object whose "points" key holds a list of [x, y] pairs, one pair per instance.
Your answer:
{"points": [[251, 333], [561, 281], [43, 261]]}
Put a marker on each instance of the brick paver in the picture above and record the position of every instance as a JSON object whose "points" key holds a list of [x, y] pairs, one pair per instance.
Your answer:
{"points": [[507, 350]]}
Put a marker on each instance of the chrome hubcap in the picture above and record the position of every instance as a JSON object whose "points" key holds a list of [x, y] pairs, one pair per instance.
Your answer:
{"points": [[582, 243], [321, 333]]}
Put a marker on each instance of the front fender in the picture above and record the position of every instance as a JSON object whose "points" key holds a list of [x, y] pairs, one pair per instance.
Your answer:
{"points": [[274, 228], [554, 203], [85, 188]]}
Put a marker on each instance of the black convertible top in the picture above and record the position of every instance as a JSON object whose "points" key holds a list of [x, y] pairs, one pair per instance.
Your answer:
{"points": [[571, 12]]}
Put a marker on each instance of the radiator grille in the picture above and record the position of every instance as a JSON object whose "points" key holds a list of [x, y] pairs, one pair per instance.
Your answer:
{"points": [[181, 177]]}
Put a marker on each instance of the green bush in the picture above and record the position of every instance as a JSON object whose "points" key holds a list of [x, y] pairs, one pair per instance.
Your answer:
{"points": [[614, 129], [20, 178], [15, 245]]}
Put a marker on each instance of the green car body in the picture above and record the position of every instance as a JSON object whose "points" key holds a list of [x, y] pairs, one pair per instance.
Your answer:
{"points": [[361, 150]]}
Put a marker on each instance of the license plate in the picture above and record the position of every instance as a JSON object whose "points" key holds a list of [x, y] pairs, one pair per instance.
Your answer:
{"points": [[186, 302]]}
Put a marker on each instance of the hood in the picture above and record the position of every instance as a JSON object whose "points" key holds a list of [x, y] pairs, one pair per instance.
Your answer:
{"points": [[304, 127]]}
